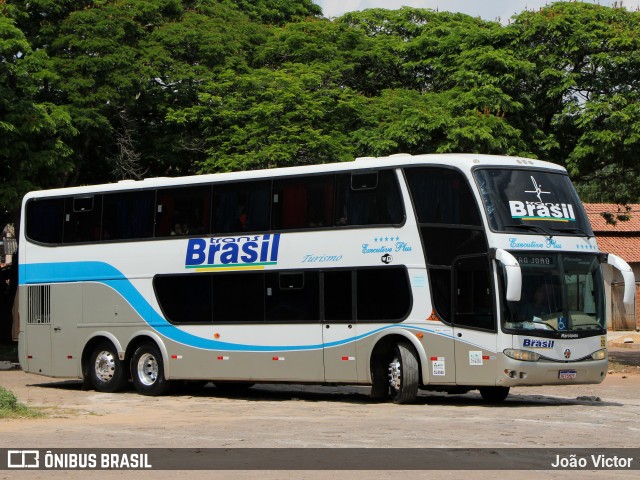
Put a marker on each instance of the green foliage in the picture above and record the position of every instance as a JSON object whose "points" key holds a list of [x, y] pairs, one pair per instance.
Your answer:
{"points": [[11, 408], [585, 87], [267, 118], [98, 90], [276, 12], [32, 132]]}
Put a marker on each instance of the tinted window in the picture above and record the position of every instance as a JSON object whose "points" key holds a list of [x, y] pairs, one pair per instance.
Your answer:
{"points": [[128, 215], [238, 297], [383, 294], [210, 297], [531, 201], [82, 219], [442, 196], [371, 198], [451, 226], [305, 202], [440, 280], [183, 211], [44, 220], [292, 296], [474, 304], [443, 245], [242, 207], [338, 295], [185, 298]]}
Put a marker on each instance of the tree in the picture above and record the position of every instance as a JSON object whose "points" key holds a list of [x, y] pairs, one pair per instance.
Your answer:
{"points": [[34, 134], [265, 118], [276, 12], [453, 85], [585, 92], [168, 87]]}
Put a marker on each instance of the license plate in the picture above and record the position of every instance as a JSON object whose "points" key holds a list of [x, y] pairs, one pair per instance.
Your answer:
{"points": [[567, 374]]}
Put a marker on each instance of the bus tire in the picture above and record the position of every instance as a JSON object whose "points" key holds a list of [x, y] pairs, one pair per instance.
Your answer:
{"points": [[147, 370], [379, 380], [494, 394], [404, 377], [106, 371]]}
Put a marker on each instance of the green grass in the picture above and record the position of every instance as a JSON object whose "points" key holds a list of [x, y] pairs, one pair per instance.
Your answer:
{"points": [[10, 407]]}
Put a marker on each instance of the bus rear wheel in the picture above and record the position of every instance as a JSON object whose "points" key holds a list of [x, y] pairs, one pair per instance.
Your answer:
{"points": [[106, 371], [147, 370], [494, 394], [404, 376]]}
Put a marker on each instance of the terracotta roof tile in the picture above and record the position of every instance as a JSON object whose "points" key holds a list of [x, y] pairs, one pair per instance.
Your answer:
{"points": [[627, 247], [599, 224], [623, 238]]}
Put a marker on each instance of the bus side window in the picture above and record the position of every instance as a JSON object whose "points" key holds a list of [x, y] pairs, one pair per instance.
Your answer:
{"points": [[241, 207], [183, 211], [338, 295], [128, 215], [369, 198], [450, 226], [383, 294], [45, 219], [82, 219], [442, 196], [238, 297], [292, 296], [473, 297], [184, 298], [305, 202]]}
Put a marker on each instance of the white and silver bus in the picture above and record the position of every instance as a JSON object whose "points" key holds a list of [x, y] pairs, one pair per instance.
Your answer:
{"points": [[436, 272]]}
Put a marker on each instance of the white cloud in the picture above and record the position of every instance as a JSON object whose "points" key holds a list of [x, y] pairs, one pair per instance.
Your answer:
{"points": [[486, 9]]}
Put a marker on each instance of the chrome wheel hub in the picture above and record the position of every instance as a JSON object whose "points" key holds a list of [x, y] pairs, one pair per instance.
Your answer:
{"points": [[148, 369], [395, 377], [105, 366]]}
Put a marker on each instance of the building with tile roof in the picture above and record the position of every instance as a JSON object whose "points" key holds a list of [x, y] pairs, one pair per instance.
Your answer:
{"points": [[623, 239]]}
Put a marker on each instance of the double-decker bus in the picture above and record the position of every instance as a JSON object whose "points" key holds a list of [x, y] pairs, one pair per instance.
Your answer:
{"points": [[441, 272]]}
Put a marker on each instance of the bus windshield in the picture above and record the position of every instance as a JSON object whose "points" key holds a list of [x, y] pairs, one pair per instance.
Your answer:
{"points": [[562, 296], [531, 202]]}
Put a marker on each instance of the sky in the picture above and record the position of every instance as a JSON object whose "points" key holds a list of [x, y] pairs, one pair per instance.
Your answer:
{"points": [[500, 10]]}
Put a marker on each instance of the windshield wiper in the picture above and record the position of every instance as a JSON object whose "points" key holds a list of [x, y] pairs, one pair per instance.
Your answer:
{"points": [[542, 322], [573, 230], [536, 228]]}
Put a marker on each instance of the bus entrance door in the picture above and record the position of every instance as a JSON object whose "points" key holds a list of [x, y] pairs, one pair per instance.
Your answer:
{"points": [[474, 321], [339, 327]]}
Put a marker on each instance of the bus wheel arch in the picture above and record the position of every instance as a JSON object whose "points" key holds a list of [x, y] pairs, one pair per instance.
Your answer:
{"points": [[102, 367], [395, 370]]}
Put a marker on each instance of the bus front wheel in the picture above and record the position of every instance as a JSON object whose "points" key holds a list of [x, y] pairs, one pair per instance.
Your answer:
{"points": [[147, 370], [494, 394], [404, 376], [106, 371]]}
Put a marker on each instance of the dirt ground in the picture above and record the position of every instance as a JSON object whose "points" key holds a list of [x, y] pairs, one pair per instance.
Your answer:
{"points": [[284, 416]]}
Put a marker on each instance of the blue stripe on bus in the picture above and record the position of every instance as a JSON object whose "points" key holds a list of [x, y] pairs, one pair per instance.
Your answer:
{"points": [[106, 274]]}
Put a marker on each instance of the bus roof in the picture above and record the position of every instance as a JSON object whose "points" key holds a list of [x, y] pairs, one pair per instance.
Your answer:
{"points": [[464, 161]]}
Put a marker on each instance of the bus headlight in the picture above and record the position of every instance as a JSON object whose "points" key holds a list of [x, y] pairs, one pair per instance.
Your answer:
{"points": [[523, 355], [600, 354]]}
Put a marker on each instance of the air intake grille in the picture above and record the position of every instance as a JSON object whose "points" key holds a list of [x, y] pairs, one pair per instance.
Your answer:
{"points": [[39, 304]]}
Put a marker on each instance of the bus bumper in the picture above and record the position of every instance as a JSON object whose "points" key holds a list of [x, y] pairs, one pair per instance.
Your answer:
{"points": [[514, 373]]}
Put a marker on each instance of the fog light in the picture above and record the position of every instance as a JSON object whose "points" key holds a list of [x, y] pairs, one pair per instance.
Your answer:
{"points": [[600, 354], [523, 355]]}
